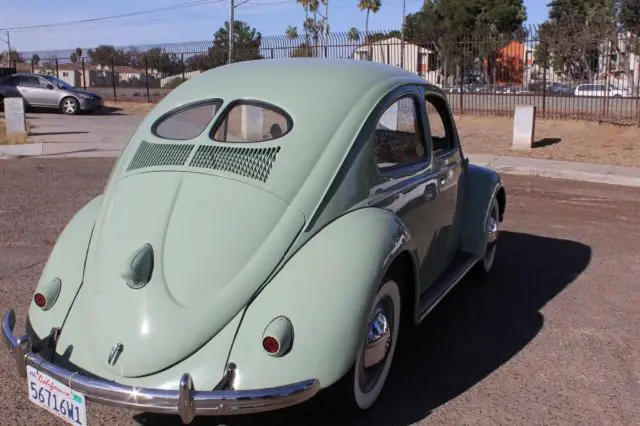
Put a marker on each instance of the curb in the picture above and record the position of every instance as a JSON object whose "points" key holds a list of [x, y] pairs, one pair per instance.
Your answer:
{"points": [[63, 149], [524, 166], [587, 172]]}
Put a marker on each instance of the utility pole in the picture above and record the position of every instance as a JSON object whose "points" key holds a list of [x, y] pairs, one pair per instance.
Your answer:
{"points": [[7, 41], [404, 8], [232, 29]]}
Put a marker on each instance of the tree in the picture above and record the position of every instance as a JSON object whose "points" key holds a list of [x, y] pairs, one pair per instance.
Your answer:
{"points": [[246, 39], [35, 59], [105, 54], [629, 17], [571, 40], [369, 6], [460, 30], [12, 56]]}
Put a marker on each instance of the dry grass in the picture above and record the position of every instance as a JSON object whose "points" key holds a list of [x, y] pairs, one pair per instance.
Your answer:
{"points": [[582, 141], [13, 139]]}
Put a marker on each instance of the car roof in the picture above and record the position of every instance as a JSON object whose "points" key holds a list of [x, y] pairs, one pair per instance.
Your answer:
{"points": [[297, 85]]}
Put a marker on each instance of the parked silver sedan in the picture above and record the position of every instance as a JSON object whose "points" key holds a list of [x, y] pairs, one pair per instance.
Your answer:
{"points": [[46, 91]]}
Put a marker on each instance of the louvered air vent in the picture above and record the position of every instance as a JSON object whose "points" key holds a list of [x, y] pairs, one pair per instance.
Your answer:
{"points": [[253, 163], [159, 154]]}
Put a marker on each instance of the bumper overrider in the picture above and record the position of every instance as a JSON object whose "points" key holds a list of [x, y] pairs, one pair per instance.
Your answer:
{"points": [[185, 401]]}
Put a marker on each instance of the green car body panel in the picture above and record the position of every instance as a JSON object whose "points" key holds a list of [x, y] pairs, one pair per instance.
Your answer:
{"points": [[233, 249]]}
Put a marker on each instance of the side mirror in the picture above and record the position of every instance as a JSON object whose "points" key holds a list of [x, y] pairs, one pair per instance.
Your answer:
{"points": [[50, 86]]}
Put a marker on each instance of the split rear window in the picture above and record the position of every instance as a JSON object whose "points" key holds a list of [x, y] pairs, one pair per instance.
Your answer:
{"points": [[186, 122], [247, 121], [241, 122]]}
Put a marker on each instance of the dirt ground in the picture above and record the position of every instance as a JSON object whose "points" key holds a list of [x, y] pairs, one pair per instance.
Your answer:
{"points": [[583, 141], [14, 139]]}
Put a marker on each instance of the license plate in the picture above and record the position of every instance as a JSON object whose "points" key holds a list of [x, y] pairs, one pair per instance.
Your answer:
{"points": [[57, 398]]}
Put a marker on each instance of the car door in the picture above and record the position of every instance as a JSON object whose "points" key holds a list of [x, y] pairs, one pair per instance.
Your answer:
{"points": [[447, 162], [406, 182], [33, 91]]}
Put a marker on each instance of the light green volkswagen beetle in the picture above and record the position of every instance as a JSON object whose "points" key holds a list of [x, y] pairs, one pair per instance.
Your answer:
{"points": [[264, 234]]}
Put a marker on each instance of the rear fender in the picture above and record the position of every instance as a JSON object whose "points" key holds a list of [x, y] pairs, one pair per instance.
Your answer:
{"points": [[66, 262], [483, 185], [325, 290]]}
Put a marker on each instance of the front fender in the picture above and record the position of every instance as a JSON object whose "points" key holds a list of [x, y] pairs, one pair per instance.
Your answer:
{"points": [[325, 290], [66, 262], [482, 186]]}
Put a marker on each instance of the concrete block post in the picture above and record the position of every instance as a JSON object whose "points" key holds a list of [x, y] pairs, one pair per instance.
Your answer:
{"points": [[524, 123]]}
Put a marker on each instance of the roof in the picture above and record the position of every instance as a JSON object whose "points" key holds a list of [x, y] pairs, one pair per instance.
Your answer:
{"points": [[391, 42], [298, 85]]}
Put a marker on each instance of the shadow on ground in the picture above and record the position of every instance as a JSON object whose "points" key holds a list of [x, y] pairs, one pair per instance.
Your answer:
{"points": [[546, 142], [106, 110], [477, 328]]}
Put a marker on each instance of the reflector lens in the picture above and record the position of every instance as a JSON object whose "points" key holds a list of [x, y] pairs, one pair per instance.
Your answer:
{"points": [[40, 300], [270, 344]]}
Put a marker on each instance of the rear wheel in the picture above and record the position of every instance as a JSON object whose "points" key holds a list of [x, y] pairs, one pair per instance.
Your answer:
{"points": [[69, 106], [360, 388]]}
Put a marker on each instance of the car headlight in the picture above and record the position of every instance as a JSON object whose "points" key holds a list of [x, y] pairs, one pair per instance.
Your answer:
{"points": [[85, 96]]}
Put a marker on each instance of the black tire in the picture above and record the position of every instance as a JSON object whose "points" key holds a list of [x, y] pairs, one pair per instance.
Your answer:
{"points": [[485, 265], [352, 394], [70, 106]]}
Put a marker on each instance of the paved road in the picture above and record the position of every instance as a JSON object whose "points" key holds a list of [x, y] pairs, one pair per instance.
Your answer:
{"points": [[553, 339], [84, 128]]}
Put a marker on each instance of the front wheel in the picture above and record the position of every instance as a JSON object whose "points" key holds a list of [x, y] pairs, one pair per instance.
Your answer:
{"points": [[360, 388], [484, 266], [69, 106]]}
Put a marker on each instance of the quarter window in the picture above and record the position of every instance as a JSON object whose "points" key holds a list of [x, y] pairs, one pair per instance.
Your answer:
{"points": [[252, 122], [398, 136], [439, 124], [186, 123]]}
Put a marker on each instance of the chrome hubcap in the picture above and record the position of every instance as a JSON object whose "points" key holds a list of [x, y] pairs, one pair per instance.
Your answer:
{"points": [[69, 106], [377, 345], [492, 236], [378, 340], [492, 230]]}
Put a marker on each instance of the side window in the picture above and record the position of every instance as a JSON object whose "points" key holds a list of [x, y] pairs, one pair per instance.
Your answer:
{"points": [[29, 81], [186, 123], [398, 135], [439, 124], [252, 122]]}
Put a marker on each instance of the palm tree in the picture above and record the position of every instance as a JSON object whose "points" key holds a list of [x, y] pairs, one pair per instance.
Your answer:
{"points": [[305, 5], [370, 6], [292, 32]]}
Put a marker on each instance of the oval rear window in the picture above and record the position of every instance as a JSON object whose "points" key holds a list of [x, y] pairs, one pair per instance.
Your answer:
{"points": [[252, 122], [187, 122]]}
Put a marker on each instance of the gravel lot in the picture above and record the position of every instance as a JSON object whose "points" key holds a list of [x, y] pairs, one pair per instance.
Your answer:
{"points": [[552, 339]]}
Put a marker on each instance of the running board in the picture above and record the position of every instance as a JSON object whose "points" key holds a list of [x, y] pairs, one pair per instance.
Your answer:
{"points": [[458, 269]]}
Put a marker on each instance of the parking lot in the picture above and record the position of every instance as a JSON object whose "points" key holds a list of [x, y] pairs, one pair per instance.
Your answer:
{"points": [[553, 338]]}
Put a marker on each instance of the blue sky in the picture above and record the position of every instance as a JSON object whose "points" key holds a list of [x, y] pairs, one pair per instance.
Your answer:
{"points": [[194, 23]]}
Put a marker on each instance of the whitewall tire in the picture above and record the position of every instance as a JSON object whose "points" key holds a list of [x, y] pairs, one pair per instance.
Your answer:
{"points": [[361, 387]]}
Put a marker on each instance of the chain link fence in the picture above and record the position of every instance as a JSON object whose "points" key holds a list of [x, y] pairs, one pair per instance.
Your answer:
{"points": [[597, 78]]}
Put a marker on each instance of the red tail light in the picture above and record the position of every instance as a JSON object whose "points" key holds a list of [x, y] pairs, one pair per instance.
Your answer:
{"points": [[270, 344], [40, 300]]}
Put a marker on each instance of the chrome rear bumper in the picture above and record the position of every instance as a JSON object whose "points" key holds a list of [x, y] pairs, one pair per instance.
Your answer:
{"points": [[185, 402]]}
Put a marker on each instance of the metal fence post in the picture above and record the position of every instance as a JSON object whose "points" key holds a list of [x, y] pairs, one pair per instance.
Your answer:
{"points": [[113, 78], [84, 75], [545, 65], [146, 73], [57, 70]]}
